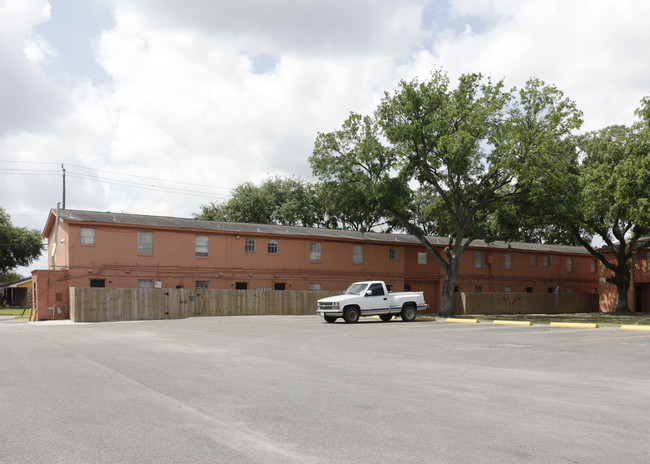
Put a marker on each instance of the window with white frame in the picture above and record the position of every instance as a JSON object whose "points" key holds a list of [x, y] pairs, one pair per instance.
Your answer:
{"points": [[202, 284], [508, 261], [547, 260], [422, 257], [569, 264], [533, 260], [272, 247], [478, 259], [314, 286], [314, 252], [249, 245], [145, 283], [357, 254], [145, 243], [87, 236], [201, 246], [392, 254]]}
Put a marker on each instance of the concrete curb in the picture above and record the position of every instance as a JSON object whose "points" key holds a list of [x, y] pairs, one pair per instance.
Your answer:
{"points": [[513, 322], [466, 321], [635, 327], [574, 324]]}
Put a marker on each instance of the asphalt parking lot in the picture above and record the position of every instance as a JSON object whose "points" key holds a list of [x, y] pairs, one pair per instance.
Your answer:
{"points": [[279, 389]]}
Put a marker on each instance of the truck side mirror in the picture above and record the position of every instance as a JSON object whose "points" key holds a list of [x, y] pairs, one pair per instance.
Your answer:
{"points": [[369, 293]]}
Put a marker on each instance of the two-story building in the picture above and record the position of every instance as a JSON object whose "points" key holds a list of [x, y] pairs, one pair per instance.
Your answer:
{"points": [[104, 249]]}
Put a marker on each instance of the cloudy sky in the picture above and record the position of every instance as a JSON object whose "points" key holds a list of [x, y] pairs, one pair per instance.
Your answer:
{"points": [[159, 106]]}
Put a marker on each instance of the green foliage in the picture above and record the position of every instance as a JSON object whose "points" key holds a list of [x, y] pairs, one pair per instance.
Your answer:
{"points": [[10, 277], [441, 160], [18, 245], [283, 201]]}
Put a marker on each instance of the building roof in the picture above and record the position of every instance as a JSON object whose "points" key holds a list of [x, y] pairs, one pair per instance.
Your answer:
{"points": [[26, 282], [270, 229]]}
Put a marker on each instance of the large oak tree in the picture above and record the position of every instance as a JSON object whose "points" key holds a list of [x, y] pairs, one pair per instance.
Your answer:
{"points": [[441, 159]]}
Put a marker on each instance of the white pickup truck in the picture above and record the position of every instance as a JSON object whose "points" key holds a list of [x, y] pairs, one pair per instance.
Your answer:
{"points": [[371, 299]]}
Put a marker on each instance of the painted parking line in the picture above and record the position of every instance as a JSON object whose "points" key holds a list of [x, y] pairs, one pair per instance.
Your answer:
{"points": [[613, 338]]}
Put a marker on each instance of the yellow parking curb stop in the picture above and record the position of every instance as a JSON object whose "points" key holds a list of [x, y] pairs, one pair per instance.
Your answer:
{"points": [[635, 327], [467, 321], [513, 322], [574, 324]]}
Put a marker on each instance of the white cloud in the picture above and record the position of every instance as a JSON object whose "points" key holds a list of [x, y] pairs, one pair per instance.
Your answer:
{"points": [[219, 93]]}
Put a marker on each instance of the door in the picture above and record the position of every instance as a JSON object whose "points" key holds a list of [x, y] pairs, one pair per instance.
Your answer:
{"points": [[377, 301]]}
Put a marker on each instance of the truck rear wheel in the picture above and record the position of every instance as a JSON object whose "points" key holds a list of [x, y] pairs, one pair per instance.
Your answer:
{"points": [[351, 314], [408, 313]]}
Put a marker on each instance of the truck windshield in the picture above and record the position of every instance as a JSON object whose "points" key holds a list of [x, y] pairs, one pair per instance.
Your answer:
{"points": [[356, 289]]}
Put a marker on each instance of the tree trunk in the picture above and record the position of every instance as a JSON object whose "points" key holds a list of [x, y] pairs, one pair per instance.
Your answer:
{"points": [[447, 297], [622, 288]]}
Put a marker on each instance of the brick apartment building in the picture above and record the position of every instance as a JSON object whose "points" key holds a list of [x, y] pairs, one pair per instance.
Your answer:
{"points": [[104, 249]]}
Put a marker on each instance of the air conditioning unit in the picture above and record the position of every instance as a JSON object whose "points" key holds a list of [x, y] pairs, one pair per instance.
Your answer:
{"points": [[157, 284]]}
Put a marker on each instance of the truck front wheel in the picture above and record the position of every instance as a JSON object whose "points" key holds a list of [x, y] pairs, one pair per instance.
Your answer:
{"points": [[330, 318], [408, 313], [351, 314]]}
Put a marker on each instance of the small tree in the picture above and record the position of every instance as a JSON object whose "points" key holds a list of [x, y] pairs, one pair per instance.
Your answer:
{"points": [[18, 245]]}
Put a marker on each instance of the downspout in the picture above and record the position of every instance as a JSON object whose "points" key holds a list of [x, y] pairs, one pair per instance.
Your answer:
{"points": [[56, 233]]}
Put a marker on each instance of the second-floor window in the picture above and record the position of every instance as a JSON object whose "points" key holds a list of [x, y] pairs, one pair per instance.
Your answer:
{"points": [[569, 264], [392, 254], [508, 260], [547, 260], [478, 259], [314, 252], [87, 236], [272, 247], [533, 260], [249, 245], [357, 254], [145, 243], [202, 246], [422, 257]]}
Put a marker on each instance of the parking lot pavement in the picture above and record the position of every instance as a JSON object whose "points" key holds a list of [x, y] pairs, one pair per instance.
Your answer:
{"points": [[296, 389]]}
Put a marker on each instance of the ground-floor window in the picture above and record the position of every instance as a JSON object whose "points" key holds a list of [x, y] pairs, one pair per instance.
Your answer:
{"points": [[202, 284], [241, 285], [145, 283], [97, 283], [314, 286], [279, 286]]}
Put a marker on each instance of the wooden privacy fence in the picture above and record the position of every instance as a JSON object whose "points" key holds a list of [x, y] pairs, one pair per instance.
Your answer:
{"points": [[525, 303], [132, 304]]}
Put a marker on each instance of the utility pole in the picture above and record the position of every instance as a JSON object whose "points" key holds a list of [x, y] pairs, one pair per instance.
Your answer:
{"points": [[63, 185]]}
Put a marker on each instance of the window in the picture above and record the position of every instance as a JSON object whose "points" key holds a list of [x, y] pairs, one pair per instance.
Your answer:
{"points": [[422, 257], [547, 260], [376, 289], [314, 286], [272, 247], [392, 254], [478, 289], [202, 284], [478, 259], [97, 283], [279, 286], [594, 265], [529, 289], [407, 287], [201, 246], [533, 260], [508, 290], [314, 252], [249, 245], [87, 236], [357, 254], [647, 260], [569, 264], [241, 285], [508, 260], [145, 283], [145, 243]]}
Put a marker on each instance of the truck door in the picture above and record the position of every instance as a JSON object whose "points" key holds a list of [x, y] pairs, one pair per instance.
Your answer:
{"points": [[377, 301]]}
